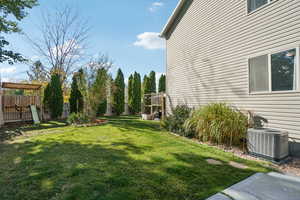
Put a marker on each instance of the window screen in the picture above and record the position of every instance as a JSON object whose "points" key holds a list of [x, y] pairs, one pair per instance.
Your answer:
{"points": [[259, 74], [283, 67]]}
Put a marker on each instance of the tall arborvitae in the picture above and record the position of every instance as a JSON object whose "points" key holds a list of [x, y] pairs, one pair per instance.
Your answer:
{"points": [[98, 91], [76, 98], [56, 99], [162, 83], [47, 94], [152, 80], [130, 94], [137, 93], [147, 91], [119, 93]]}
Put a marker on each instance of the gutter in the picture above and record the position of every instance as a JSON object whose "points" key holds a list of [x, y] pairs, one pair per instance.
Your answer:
{"points": [[172, 18]]}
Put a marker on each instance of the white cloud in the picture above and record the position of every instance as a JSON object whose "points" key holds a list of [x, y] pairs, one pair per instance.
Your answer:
{"points": [[6, 79], [35, 58], [150, 40], [8, 70], [155, 6], [69, 46]]}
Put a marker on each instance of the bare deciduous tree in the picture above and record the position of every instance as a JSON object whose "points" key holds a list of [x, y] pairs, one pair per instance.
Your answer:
{"points": [[37, 72], [63, 40]]}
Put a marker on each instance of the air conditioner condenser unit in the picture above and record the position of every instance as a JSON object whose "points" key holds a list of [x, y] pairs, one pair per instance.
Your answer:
{"points": [[269, 144]]}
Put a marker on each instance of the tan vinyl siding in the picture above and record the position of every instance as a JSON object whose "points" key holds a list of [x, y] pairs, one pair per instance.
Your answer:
{"points": [[208, 52]]}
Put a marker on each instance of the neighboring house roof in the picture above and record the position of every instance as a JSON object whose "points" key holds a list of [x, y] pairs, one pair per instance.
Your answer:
{"points": [[173, 17]]}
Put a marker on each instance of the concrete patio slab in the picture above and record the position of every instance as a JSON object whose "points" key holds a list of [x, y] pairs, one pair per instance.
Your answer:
{"points": [[271, 186]]}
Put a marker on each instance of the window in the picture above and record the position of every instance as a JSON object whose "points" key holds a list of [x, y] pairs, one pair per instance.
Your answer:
{"points": [[259, 73], [255, 4], [273, 72], [283, 70]]}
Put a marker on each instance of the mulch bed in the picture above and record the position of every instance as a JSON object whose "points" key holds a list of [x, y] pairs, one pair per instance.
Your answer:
{"points": [[97, 122]]}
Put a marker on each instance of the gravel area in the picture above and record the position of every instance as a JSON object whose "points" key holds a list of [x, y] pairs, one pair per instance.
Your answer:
{"points": [[292, 167]]}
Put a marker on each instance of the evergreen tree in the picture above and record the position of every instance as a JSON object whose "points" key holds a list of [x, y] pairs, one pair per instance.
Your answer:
{"points": [[99, 92], [137, 93], [147, 90], [152, 82], [130, 94], [47, 94], [162, 83], [56, 99], [119, 93], [76, 98], [146, 85]]}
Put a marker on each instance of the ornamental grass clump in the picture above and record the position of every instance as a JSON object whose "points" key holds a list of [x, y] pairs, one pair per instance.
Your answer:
{"points": [[218, 123]]}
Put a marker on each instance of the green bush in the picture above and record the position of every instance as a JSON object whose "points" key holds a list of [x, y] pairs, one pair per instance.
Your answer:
{"points": [[175, 122], [102, 108], [77, 118], [218, 123]]}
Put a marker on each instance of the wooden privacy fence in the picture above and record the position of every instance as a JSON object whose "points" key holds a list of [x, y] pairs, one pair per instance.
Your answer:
{"points": [[16, 108]]}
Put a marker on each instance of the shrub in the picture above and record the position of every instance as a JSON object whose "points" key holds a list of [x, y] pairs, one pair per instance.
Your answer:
{"points": [[102, 108], [218, 123], [77, 118], [175, 122]]}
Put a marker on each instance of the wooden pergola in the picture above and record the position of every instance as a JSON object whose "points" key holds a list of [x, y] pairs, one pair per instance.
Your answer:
{"points": [[21, 86], [16, 108]]}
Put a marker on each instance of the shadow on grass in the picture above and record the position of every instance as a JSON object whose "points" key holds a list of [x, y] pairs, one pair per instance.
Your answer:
{"points": [[11, 130], [69, 170]]}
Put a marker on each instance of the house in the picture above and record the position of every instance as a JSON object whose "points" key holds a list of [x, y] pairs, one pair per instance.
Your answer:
{"points": [[243, 52]]}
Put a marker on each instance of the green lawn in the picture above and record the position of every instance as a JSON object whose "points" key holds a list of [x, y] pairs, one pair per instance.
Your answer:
{"points": [[125, 159]]}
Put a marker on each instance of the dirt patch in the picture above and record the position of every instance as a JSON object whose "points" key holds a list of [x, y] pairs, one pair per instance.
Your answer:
{"points": [[214, 162], [237, 165]]}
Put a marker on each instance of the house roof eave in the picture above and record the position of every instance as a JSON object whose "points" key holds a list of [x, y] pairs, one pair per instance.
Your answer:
{"points": [[173, 17]]}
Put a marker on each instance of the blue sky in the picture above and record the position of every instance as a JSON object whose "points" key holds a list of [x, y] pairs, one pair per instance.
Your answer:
{"points": [[126, 30]]}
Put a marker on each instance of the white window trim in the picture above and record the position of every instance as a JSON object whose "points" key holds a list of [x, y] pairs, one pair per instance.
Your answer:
{"points": [[296, 71], [257, 9]]}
